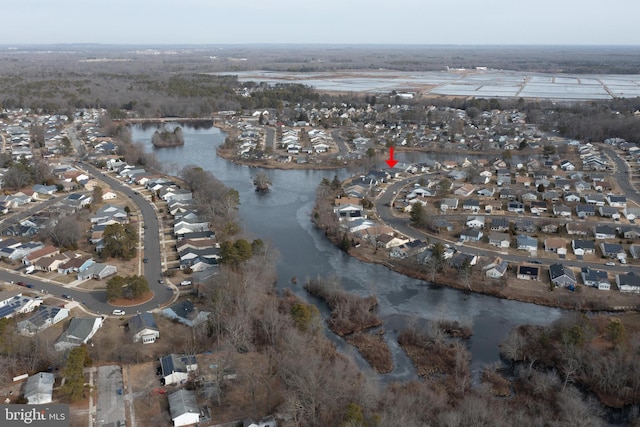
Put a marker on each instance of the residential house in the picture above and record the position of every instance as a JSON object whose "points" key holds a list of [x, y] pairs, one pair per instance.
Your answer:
{"points": [[508, 194], [551, 195], [594, 199], [186, 313], [525, 225], [20, 251], [629, 282], [515, 206], [77, 262], [501, 240], [13, 303], [43, 318], [584, 211], [526, 243], [499, 224], [79, 331], [562, 211], [472, 235], [572, 198], [143, 328], [388, 241], [110, 214], [349, 212], [413, 247], [613, 250], [459, 259], [555, 244], [577, 229], [45, 252], [183, 408], [97, 271], [465, 191], [176, 369], [617, 201], [538, 207], [448, 204], [583, 247], [562, 276], [634, 250], [549, 228], [604, 232], [486, 192], [595, 278], [528, 272], [609, 212], [496, 269], [38, 390], [528, 196], [471, 205], [476, 222]]}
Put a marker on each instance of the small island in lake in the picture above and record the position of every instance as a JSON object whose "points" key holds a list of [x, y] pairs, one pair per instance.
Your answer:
{"points": [[167, 138], [261, 182]]}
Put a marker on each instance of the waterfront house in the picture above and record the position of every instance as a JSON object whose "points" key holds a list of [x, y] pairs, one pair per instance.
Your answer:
{"points": [[562, 276], [528, 272], [629, 282], [596, 278]]}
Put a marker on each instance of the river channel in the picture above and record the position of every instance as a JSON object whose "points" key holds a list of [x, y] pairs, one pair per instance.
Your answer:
{"points": [[281, 217]]}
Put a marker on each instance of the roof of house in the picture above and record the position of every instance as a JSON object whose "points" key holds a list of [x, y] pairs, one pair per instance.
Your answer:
{"points": [[182, 402], [142, 321], [176, 363], [40, 383], [558, 270], [79, 330]]}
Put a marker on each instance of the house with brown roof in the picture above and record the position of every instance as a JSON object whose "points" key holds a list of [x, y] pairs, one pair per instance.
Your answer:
{"points": [[47, 251], [50, 263], [556, 244]]}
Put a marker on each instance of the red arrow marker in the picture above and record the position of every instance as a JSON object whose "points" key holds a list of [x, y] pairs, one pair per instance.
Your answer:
{"points": [[391, 162]]}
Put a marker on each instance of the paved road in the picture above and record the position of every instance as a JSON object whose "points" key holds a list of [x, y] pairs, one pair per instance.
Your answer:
{"points": [[151, 240], [385, 213]]}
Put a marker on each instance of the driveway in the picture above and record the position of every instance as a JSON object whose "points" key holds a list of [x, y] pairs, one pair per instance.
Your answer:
{"points": [[110, 404]]}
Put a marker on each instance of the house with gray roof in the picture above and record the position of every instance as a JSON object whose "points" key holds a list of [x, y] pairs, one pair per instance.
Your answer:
{"points": [[183, 408], [143, 328], [595, 278], [46, 316], [185, 312], [583, 247], [562, 276], [526, 243], [176, 368], [79, 331], [38, 390], [629, 282]]}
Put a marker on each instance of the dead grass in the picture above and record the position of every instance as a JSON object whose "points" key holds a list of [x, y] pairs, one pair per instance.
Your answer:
{"points": [[374, 350]]}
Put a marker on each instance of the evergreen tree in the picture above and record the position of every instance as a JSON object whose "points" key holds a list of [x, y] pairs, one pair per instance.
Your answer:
{"points": [[418, 216]]}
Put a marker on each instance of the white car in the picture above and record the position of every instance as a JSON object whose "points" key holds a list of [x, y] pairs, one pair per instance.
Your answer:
{"points": [[185, 283], [611, 264], [118, 312]]}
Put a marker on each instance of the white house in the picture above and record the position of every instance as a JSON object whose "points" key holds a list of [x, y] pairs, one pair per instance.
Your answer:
{"points": [[176, 369], [143, 328], [38, 389], [183, 408], [79, 331]]}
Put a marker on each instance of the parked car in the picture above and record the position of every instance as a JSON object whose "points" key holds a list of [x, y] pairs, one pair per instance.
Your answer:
{"points": [[29, 285], [67, 296], [185, 283], [160, 281], [611, 264], [118, 312], [145, 260]]}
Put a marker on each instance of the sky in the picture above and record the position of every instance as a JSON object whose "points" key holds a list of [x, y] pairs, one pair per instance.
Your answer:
{"points": [[416, 22]]}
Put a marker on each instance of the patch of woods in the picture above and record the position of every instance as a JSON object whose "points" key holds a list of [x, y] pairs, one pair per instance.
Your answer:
{"points": [[128, 289], [167, 138], [597, 354]]}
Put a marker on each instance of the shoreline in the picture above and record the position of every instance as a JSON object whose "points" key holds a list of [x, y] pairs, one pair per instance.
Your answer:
{"points": [[227, 154], [538, 294]]}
